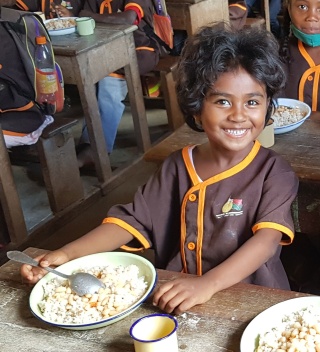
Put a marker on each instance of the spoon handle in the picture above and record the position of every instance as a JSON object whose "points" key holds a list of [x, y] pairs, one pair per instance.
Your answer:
{"points": [[21, 257]]}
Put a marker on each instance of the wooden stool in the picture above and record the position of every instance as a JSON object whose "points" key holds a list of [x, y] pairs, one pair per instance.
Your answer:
{"points": [[166, 68], [57, 156], [59, 164]]}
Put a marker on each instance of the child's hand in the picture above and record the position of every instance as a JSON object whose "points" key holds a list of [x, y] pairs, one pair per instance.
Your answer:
{"points": [[180, 295], [31, 274], [61, 10]]}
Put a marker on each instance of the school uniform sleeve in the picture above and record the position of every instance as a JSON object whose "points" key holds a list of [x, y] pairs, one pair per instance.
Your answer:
{"points": [[153, 218], [279, 191]]}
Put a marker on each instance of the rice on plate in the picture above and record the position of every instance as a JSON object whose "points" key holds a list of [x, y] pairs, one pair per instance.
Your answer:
{"points": [[299, 331], [289, 115], [129, 280], [289, 326], [61, 26]]}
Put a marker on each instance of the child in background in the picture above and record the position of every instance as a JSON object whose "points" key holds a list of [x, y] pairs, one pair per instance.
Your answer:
{"points": [[300, 52], [220, 210], [112, 90]]}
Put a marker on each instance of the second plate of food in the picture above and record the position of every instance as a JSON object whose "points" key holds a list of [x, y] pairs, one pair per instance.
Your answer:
{"points": [[289, 115], [61, 26], [276, 328]]}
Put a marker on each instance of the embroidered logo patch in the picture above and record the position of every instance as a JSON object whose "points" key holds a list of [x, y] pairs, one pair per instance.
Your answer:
{"points": [[232, 207]]}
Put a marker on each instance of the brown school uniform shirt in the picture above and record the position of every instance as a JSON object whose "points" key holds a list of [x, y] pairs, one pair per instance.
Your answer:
{"points": [[193, 226], [302, 75]]}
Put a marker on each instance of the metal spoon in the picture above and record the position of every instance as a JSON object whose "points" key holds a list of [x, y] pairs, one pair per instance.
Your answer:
{"points": [[80, 283], [56, 11]]}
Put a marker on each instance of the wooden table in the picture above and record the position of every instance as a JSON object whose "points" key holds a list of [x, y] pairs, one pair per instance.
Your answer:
{"points": [[84, 61], [301, 148], [190, 15], [214, 326]]}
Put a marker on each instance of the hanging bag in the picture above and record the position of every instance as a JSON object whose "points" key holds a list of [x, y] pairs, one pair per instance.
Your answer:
{"points": [[162, 30], [20, 112]]}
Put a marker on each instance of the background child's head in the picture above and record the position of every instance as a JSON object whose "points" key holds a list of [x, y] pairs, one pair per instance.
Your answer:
{"points": [[303, 18], [215, 50]]}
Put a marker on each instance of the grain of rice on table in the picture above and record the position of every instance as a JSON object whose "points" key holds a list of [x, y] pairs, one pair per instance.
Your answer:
{"points": [[286, 115], [123, 288]]}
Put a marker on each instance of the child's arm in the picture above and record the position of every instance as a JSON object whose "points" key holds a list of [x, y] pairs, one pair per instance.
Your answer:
{"points": [[104, 238], [182, 294]]}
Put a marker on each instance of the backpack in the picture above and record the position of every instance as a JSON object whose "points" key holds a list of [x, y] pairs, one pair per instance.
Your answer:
{"points": [[19, 110], [162, 30]]}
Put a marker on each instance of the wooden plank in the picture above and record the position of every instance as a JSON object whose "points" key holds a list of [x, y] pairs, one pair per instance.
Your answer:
{"points": [[192, 16]]}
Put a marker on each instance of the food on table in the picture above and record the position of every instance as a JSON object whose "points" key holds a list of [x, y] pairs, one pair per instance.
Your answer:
{"points": [[124, 287], [298, 332], [62, 23], [286, 115]]}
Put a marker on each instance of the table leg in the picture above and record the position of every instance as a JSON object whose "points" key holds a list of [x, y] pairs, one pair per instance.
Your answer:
{"points": [[136, 98], [87, 92]]}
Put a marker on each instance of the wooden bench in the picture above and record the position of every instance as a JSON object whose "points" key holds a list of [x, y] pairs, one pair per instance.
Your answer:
{"points": [[166, 69], [57, 156], [181, 137]]}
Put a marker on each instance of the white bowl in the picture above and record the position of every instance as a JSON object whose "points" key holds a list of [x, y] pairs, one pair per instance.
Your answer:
{"points": [[272, 317], [146, 269], [304, 108], [62, 31]]}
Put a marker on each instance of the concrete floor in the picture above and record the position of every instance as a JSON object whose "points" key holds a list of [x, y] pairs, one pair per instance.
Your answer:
{"points": [[33, 195]]}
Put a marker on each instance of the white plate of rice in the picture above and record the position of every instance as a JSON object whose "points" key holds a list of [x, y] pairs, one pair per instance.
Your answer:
{"points": [[276, 326], [61, 26], [129, 280], [290, 114]]}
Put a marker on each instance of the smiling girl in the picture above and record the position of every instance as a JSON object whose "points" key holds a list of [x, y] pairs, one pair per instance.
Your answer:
{"points": [[221, 210], [301, 52]]}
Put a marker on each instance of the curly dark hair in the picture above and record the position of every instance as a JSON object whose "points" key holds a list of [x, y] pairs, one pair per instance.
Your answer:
{"points": [[217, 49]]}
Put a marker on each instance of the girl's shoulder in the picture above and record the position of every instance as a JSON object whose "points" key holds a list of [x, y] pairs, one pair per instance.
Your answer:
{"points": [[273, 160]]}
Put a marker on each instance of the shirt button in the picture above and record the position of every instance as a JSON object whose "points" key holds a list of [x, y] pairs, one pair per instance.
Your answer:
{"points": [[192, 197], [191, 246], [310, 78]]}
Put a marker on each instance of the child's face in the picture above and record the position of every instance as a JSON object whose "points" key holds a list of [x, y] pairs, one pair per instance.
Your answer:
{"points": [[233, 113], [305, 15]]}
